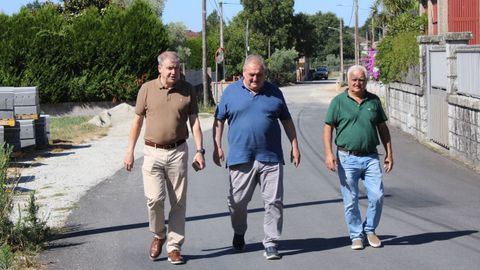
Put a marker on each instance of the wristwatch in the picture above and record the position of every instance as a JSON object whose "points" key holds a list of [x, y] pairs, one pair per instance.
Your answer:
{"points": [[201, 151]]}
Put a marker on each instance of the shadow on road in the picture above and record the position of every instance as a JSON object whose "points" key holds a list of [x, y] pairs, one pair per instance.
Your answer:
{"points": [[75, 231], [424, 238]]}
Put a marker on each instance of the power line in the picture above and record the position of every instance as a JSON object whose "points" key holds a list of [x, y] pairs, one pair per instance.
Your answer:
{"points": [[351, 14], [215, 7]]}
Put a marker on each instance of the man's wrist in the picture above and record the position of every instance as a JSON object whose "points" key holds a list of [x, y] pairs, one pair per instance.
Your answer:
{"points": [[201, 151]]}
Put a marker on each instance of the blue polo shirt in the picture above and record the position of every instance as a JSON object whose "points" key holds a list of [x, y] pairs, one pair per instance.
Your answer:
{"points": [[254, 132]]}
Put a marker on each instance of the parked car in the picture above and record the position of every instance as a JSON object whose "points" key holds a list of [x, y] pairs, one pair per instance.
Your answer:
{"points": [[321, 73]]}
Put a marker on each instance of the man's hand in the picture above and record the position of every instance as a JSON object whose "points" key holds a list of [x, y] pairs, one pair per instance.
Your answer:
{"points": [[200, 160], [128, 161], [295, 156], [218, 156], [388, 164], [331, 162]]}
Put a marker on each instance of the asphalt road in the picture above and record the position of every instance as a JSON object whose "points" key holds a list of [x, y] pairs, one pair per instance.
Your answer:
{"points": [[431, 218]]}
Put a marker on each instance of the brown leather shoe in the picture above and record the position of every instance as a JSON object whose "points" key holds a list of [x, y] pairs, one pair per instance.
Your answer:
{"points": [[156, 248], [175, 257]]}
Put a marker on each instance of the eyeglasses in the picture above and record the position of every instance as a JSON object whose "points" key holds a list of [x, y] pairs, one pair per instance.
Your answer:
{"points": [[358, 80]]}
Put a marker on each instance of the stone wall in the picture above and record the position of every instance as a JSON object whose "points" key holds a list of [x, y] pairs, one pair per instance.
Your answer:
{"points": [[464, 129], [407, 104], [406, 107]]}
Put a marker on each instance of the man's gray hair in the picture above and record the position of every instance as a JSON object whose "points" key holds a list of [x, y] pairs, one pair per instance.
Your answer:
{"points": [[173, 56], [357, 67], [254, 57]]}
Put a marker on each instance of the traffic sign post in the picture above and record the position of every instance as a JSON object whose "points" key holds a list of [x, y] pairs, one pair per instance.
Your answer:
{"points": [[219, 55]]}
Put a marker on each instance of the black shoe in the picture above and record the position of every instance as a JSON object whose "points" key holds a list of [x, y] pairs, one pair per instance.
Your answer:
{"points": [[238, 242], [271, 253]]}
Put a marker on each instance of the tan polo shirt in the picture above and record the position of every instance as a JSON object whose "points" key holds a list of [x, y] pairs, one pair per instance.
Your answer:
{"points": [[166, 110]]}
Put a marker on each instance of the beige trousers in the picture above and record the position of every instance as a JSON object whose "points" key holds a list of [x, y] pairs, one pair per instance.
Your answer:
{"points": [[165, 171]]}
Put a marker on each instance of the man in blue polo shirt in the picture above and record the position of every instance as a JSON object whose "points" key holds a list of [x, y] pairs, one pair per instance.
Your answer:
{"points": [[357, 115], [252, 108]]}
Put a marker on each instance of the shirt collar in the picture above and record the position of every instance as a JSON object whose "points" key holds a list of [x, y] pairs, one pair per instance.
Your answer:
{"points": [[162, 87]]}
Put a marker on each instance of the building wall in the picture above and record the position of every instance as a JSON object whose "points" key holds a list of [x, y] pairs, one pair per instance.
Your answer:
{"points": [[407, 103]]}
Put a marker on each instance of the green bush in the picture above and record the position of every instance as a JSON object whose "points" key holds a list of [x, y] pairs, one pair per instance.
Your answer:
{"points": [[281, 66], [398, 51], [396, 54], [89, 56]]}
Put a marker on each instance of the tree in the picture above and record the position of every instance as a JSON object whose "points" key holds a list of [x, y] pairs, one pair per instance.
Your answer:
{"points": [[157, 5], [76, 6], [272, 20], [302, 31], [281, 66], [398, 50], [89, 57], [383, 12], [178, 39]]}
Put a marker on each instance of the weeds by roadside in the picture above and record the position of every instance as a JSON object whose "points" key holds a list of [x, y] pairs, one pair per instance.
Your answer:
{"points": [[23, 239]]}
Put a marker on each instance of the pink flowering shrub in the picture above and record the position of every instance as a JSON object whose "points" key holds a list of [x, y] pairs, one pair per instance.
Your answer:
{"points": [[369, 63]]}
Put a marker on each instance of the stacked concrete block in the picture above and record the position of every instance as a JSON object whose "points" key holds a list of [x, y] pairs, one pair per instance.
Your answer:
{"points": [[7, 116], [42, 130], [19, 110], [26, 105], [21, 135]]}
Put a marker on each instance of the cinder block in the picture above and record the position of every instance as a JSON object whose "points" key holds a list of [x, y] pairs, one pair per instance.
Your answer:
{"points": [[26, 104], [42, 130], [21, 135], [7, 116]]}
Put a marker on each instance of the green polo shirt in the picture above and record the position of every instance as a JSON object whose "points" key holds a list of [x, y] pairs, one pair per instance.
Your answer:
{"points": [[356, 124]]}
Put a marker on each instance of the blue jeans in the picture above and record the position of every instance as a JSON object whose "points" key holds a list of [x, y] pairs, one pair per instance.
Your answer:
{"points": [[350, 170]]}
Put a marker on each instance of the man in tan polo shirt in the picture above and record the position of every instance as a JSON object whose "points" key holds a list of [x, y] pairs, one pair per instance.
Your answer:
{"points": [[166, 103]]}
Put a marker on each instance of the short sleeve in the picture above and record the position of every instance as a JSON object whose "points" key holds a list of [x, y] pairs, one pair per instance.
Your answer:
{"points": [[381, 116], [141, 105], [221, 110], [284, 113], [193, 107], [330, 116]]}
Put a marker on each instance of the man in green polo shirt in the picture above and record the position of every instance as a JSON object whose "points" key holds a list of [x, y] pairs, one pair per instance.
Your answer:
{"points": [[357, 115]]}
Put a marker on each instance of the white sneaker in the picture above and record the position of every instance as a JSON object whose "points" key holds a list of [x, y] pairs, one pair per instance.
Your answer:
{"points": [[373, 240], [357, 244]]}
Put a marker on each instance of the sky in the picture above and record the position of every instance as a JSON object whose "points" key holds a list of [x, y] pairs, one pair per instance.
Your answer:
{"points": [[190, 11]]}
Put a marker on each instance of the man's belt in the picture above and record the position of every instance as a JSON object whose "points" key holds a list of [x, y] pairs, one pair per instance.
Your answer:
{"points": [[355, 153], [165, 146]]}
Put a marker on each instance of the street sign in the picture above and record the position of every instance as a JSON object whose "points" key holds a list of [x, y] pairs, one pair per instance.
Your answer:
{"points": [[219, 55]]}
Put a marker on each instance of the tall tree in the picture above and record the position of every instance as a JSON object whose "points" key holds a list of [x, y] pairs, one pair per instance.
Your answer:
{"points": [[76, 6], [177, 36], [302, 31], [383, 12], [271, 19], [157, 5]]}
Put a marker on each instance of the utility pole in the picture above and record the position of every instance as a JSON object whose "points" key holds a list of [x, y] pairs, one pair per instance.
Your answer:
{"points": [[204, 52], [356, 33], [247, 48], [221, 39], [341, 51]]}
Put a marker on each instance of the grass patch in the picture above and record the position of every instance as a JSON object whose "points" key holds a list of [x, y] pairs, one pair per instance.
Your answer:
{"points": [[74, 129]]}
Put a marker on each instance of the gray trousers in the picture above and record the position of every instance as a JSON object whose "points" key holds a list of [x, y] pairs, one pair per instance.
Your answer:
{"points": [[243, 180]]}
